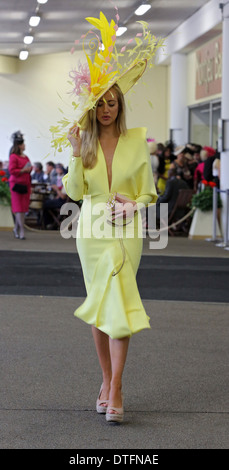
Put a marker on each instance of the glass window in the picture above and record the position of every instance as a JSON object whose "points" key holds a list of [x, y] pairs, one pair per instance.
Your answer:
{"points": [[203, 123], [199, 124]]}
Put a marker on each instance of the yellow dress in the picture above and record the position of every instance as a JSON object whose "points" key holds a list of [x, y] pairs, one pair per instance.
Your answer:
{"points": [[161, 184], [113, 303]]}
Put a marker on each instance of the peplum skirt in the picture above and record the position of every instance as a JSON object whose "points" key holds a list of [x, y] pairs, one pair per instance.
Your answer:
{"points": [[110, 257]]}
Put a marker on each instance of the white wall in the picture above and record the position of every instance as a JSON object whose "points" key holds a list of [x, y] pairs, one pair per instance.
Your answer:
{"points": [[29, 102], [153, 87]]}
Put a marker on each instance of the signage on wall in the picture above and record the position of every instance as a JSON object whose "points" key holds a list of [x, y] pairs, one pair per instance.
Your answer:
{"points": [[209, 69]]}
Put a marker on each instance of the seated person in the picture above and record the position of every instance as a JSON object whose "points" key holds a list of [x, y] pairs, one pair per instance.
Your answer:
{"points": [[170, 195], [50, 173], [37, 174], [60, 172], [180, 165], [56, 202]]}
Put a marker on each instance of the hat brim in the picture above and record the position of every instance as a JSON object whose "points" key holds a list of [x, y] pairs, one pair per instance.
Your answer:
{"points": [[125, 82], [181, 150]]}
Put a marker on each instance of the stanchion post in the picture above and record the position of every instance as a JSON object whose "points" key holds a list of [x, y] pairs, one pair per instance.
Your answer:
{"points": [[226, 241], [214, 216], [214, 212]]}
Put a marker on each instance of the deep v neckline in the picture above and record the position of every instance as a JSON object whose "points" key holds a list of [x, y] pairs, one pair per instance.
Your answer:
{"points": [[106, 167]]}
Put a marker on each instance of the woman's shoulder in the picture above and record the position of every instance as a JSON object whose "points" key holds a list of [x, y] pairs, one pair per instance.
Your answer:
{"points": [[137, 133], [16, 155]]}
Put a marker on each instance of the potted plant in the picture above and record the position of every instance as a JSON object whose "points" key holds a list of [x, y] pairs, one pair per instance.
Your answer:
{"points": [[203, 200], [202, 222], [6, 218]]}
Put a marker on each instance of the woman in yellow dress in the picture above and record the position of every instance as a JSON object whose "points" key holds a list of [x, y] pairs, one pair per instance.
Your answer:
{"points": [[163, 169], [110, 170], [113, 305]]}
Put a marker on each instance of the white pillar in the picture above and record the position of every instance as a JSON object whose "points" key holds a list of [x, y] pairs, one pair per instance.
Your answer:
{"points": [[224, 165], [178, 98]]}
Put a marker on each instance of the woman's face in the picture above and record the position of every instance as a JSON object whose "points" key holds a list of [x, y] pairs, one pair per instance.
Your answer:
{"points": [[22, 147], [180, 157], [107, 108]]}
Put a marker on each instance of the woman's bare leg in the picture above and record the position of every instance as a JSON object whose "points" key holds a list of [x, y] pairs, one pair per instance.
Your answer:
{"points": [[118, 354], [103, 351]]}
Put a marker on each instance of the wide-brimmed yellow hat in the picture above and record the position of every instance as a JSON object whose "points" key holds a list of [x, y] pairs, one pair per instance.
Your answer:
{"points": [[104, 68], [125, 82]]}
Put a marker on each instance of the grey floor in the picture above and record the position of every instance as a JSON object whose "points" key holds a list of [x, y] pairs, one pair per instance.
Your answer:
{"points": [[176, 379]]}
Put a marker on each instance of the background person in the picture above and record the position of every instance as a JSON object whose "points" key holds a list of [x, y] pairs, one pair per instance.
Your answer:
{"points": [[55, 202], [20, 168], [50, 173], [171, 193], [163, 168], [38, 174]]}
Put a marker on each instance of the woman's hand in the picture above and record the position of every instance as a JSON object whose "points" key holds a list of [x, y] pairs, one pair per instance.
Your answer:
{"points": [[27, 168], [124, 207], [74, 139]]}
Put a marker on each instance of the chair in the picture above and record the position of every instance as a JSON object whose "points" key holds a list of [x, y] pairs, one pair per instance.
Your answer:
{"points": [[35, 214], [184, 198], [57, 217]]}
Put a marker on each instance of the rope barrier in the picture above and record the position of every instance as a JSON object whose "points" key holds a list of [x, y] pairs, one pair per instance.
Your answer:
{"points": [[174, 224]]}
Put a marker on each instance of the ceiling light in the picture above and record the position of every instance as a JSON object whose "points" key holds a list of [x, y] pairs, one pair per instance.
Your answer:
{"points": [[121, 30], [42, 2], [142, 9], [34, 20], [23, 55], [28, 39]]}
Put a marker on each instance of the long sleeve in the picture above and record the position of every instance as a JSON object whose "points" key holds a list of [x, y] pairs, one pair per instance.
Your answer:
{"points": [[13, 166], [73, 181], [146, 187]]}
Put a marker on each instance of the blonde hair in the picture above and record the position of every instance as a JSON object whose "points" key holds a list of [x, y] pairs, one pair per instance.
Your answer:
{"points": [[203, 155], [90, 136], [152, 145]]}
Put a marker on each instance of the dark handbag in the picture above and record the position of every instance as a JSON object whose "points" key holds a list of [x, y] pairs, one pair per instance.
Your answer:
{"points": [[20, 188]]}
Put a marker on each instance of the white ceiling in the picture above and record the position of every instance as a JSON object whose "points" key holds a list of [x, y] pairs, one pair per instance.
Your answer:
{"points": [[62, 21]]}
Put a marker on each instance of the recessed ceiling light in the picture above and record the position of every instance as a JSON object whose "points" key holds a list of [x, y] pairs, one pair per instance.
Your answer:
{"points": [[42, 2], [34, 20], [121, 30], [142, 9], [23, 55], [28, 39]]}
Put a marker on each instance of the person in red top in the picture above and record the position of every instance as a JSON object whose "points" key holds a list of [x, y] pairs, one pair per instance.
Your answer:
{"points": [[199, 171], [20, 168]]}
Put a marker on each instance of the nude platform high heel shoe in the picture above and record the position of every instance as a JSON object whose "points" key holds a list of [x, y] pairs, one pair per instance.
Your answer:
{"points": [[117, 416], [101, 405]]}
